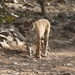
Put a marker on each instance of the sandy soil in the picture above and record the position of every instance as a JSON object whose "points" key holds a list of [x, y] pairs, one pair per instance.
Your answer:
{"points": [[57, 62]]}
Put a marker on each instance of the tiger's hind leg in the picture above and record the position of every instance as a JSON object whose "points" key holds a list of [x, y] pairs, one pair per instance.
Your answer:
{"points": [[45, 46]]}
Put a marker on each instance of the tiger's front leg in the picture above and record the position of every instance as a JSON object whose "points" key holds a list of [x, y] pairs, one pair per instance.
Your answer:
{"points": [[38, 48], [28, 50]]}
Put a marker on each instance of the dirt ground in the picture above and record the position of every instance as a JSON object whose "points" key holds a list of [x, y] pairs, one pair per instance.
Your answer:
{"points": [[57, 62]]}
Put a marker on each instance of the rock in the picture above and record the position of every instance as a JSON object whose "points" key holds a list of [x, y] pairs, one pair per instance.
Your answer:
{"points": [[62, 1], [56, 28], [70, 26], [10, 1], [19, 42], [19, 21], [28, 4], [69, 65], [5, 33], [12, 43], [16, 33], [10, 38], [19, 35], [57, 44], [72, 17], [63, 15], [66, 74], [49, 17], [70, 41], [15, 15], [66, 34], [55, 23], [21, 30], [4, 44], [2, 37], [18, 1], [0, 1]]}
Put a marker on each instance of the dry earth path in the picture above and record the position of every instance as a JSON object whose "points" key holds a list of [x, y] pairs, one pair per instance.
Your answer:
{"points": [[57, 62]]}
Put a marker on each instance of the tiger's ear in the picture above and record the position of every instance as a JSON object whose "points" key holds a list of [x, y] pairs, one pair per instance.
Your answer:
{"points": [[31, 21], [25, 23]]}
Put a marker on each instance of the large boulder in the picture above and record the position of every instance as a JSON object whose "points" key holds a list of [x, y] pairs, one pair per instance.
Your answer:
{"points": [[63, 15], [19, 21]]}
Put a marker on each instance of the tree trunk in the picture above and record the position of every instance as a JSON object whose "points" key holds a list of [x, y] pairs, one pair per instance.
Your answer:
{"points": [[43, 9], [42, 2]]}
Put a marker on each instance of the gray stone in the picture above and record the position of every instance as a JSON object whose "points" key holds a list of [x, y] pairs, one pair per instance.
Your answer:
{"points": [[66, 34], [57, 44], [63, 15], [73, 18], [70, 26], [55, 23], [2, 37], [18, 1], [56, 28], [66, 74], [49, 17], [5, 33], [19, 21]]}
